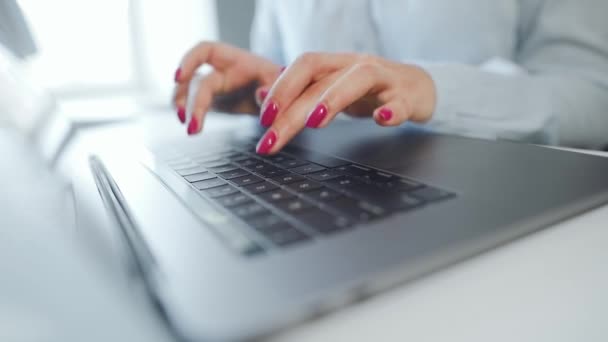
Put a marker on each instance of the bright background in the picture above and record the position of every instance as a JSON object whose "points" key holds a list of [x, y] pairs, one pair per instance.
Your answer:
{"points": [[117, 47]]}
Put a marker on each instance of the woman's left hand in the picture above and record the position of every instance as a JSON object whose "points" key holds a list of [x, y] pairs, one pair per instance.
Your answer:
{"points": [[318, 86]]}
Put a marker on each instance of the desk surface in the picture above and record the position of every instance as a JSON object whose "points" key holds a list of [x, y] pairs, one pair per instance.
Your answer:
{"points": [[550, 286]]}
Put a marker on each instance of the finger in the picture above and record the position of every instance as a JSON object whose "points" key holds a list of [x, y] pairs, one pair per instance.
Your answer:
{"points": [[360, 80], [392, 113], [296, 78], [208, 86], [291, 122], [219, 55], [180, 93], [260, 95]]}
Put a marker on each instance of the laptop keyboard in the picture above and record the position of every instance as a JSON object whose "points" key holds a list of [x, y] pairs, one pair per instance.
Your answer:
{"points": [[293, 197]]}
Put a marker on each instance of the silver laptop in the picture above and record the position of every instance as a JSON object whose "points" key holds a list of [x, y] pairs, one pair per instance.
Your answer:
{"points": [[235, 246]]}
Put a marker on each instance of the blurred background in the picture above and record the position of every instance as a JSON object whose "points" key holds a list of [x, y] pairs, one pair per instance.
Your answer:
{"points": [[61, 57], [116, 47], [69, 65]]}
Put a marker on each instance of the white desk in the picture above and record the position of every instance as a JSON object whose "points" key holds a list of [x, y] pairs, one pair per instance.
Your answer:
{"points": [[550, 286]]}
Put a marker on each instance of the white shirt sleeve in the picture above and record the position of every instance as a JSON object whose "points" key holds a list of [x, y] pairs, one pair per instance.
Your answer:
{"points": [[265, 38], [556, 91]]}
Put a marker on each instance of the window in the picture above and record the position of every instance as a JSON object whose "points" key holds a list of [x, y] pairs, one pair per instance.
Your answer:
{"points": [[92, 48]]}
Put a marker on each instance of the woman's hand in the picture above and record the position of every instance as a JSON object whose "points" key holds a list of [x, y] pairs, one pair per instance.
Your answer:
{"points": [[234, 69], [317, 86]]}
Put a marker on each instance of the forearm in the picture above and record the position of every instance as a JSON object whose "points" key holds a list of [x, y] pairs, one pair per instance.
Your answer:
{"points": [[547, 109]]}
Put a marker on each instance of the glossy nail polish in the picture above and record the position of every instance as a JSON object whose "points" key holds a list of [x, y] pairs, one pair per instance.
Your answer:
{"points": [[181, 114], [193, 126], [316, 116], [385, 114], [265, 144], [178, 73], [269, 114]]}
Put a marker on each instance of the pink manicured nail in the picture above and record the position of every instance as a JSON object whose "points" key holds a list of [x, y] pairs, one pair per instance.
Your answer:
{"points": [[265, 144], [269, 114], [385, 114], [263, 94], [193, 126], [178, 73], [181, 114], [317, 116]]}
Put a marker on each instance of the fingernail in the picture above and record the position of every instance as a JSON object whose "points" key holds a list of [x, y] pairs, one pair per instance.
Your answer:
{"points": [[193, 126], [316, 116], [181, 114], [269, 114], [265, 144], [178, 73], [385, 114], [262, 95]]}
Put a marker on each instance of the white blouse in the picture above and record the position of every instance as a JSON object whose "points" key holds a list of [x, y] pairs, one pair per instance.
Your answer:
{"points": [[527, 70]]}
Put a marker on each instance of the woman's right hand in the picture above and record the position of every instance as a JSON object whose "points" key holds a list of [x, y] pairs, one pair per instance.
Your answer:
{"points": [[233, 69]]}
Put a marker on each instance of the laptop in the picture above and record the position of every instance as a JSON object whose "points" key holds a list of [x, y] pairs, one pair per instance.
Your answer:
{"points": [[235, 246]]}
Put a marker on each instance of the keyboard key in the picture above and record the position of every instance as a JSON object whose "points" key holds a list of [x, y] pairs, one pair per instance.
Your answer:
{"points": [[325, 175], [191, 171], [288, 178], [214, 163], [208, 184], [315, 157], [324, 222], [268, 223], [288, 237], [211, 160], [289, 164], [293, 206], [199, 177], [234, 200], [279, 158], [430, 194], [356, 209], [323, 194], [378, 178], [247, 163], [238, 157], [277, 195], [353, 170], [220, 191], [307, 168], [260, 167], [272, 171], [223, 168], [344, 182], [249, 210], [259, 188], [247, 180], [305, 186], [233, 174]]}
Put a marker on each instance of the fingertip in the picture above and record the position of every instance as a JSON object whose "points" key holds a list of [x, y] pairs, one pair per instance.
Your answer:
{"points": [[194, 126], [178, 75], [269, 114], [260, 95], [385, 114], [317, 116], [181, 114], [267, 142]]}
